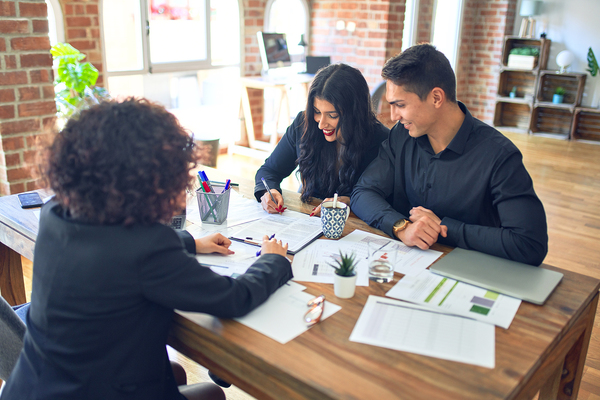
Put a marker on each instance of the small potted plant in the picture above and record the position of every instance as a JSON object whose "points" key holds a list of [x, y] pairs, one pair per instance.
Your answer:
{"points": [[513, 92], [559, 94], [344, 283]]}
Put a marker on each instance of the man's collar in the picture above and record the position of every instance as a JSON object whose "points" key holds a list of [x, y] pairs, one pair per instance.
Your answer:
{"points": [[459, 142]]}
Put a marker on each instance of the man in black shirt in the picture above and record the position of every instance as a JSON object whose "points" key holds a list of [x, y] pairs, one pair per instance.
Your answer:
{"points": [[444, 176]]}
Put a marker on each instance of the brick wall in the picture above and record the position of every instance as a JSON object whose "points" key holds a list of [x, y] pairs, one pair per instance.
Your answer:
{"points": [[485, 24], [82, 30], [377, 36], [26, 92], [425, 21]]}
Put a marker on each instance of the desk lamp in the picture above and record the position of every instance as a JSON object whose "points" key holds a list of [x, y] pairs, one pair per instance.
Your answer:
{"points": [[564, 59], [529, 8]]}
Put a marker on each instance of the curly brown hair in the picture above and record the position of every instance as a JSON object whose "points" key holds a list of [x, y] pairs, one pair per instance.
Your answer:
{"points": [[121, 162]]}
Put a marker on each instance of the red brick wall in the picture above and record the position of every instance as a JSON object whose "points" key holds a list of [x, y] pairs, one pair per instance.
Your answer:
{"points": [[26, 91], [82, 30], [378, 33], [485, 23], [425, 21]]}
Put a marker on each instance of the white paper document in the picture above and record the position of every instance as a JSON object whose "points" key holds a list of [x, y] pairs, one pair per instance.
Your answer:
{"points": [[312, 263], [281, 317], [407, 327], [233, 264], [453, 297], [411, 260], [291, 227]]}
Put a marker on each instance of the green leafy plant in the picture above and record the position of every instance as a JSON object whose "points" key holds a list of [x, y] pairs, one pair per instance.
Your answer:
{"points": [[592, 63], [74, 87], [525, 51], [514, 89], [560, 91], [345, 265]]}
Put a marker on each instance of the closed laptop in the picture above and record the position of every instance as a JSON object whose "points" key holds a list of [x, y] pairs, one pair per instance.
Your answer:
{"points": [[526, 282]]}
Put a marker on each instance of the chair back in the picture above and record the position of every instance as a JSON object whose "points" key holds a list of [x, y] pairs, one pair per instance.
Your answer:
{"points": [[12, 330]]}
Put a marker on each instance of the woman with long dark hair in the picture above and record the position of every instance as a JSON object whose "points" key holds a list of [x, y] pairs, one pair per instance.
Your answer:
{"points": [[108, 271], [331, 142]]}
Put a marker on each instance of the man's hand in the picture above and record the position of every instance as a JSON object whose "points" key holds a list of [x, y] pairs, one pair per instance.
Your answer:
{"points": [[424, 229], [273, 246], [215, 243], [267, 203]]}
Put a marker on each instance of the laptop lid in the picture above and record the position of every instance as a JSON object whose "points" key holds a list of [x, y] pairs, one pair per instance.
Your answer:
{"points": [[526, 282], [314, 63]]}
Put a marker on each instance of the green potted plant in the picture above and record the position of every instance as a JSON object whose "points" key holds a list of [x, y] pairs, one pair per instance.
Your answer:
{"points": [[75, 86], [559, 94], [523, 57], [513, 92], [344, 283]]}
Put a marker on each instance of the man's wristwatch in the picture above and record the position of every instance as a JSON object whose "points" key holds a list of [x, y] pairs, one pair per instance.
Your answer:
{"points": [[399, 226]]}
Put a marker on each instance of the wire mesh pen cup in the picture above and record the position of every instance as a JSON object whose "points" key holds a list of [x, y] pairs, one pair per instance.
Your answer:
{"points": [[213, 207]]}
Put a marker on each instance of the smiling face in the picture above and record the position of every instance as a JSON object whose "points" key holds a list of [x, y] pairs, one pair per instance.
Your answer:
{"points": [[327, 118], [407, 108]]}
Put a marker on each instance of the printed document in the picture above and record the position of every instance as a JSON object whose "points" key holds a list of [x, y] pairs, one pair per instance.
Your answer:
{"points": [[294, 228], [281, 317], [411, 260], [407, 327], [233, 264], [453, 297], [313, 263]]}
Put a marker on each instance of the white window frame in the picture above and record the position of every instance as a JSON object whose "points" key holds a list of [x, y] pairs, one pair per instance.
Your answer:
{"points": [[148, 67], [58, 20], [457, 30], [267, 25]]}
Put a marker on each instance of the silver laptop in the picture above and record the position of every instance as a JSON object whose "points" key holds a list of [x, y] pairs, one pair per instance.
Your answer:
{"points": [[526, 282]]}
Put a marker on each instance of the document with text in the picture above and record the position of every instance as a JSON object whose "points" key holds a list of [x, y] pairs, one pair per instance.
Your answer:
{"points": [[294, 228], [407, 327], [411, 260], [453, 297]]}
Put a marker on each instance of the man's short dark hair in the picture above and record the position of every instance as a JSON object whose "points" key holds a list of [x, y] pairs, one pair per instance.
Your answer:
{"points": [[419, 69]]}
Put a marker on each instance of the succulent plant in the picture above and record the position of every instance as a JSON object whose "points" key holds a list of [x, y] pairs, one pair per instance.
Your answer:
{"points": [[560, 91], [345, 264]]}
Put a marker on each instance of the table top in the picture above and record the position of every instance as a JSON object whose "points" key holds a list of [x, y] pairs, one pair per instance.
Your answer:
{"points": [[322, 363]]}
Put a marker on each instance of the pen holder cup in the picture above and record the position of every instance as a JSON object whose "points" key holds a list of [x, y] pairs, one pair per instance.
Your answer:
{"points": [[213, 207]]}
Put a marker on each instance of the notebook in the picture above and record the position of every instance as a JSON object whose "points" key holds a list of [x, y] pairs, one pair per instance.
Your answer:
{"points": [[526, 282]]}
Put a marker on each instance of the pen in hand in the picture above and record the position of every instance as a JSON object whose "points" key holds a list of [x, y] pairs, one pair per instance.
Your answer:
{"points": [[258, 252], [278, 209]]}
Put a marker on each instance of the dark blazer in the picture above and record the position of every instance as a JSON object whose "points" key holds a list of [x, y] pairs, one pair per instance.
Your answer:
{"points": [[283, 160], [102, 303]]}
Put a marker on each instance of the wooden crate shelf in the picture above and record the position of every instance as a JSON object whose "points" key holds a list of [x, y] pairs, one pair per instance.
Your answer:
{"points": [[551, 120], [511, 42], [586, 124], [512, 115], [525, 83], [573, 83]]}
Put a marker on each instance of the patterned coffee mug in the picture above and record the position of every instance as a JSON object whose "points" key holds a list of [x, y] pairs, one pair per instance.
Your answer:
{"points": [[333, 220]]}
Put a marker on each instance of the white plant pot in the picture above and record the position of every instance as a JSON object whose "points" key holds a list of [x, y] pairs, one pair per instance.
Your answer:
{"points": [[344, 286]]}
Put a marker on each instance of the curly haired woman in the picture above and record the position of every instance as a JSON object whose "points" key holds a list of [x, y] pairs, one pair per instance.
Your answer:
{"points": [[331, 142], [108, 271]]}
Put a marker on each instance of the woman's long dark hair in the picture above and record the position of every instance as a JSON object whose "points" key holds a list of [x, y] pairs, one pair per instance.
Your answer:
{"points": [[346, 89]]}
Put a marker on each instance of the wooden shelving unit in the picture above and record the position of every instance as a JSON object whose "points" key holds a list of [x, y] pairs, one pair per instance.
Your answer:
{"points": [[586, 124], [516, 112]]}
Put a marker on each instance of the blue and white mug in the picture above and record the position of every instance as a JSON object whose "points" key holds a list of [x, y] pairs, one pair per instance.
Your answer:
{"points": [[333, 220]]}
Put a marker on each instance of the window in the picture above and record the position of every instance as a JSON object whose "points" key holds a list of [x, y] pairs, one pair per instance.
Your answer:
{"points": [[409, 32], [289, 17], [56, 28], [446, 28]]}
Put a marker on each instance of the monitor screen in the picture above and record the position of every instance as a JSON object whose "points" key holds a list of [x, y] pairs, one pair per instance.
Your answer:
{"points": [[273, 50]]}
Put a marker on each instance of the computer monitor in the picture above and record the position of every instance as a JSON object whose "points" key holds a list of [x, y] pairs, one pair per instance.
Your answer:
{"points": [[273, 50]]}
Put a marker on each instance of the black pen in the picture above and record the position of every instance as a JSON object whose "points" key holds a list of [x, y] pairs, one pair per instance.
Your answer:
{"points": [[270, 194]]}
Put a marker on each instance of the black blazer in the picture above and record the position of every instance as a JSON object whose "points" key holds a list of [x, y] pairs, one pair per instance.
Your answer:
{"points": [[102, 303]]}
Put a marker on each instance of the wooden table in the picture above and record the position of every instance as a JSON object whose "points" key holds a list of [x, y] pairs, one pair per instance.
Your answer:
{"points": [[544, 349]]}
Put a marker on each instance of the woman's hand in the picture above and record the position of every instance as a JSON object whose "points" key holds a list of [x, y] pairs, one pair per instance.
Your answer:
{"points": [[317, 210], [273, 246], [267, 203], [215, 243]]}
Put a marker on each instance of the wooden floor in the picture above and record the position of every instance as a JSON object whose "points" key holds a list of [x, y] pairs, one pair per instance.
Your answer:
{"points": [[566, 177]]}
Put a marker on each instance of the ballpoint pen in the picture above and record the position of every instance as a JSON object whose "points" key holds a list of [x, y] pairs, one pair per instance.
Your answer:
{"points": [[258, 252], [278, 209], [211, 207]]}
